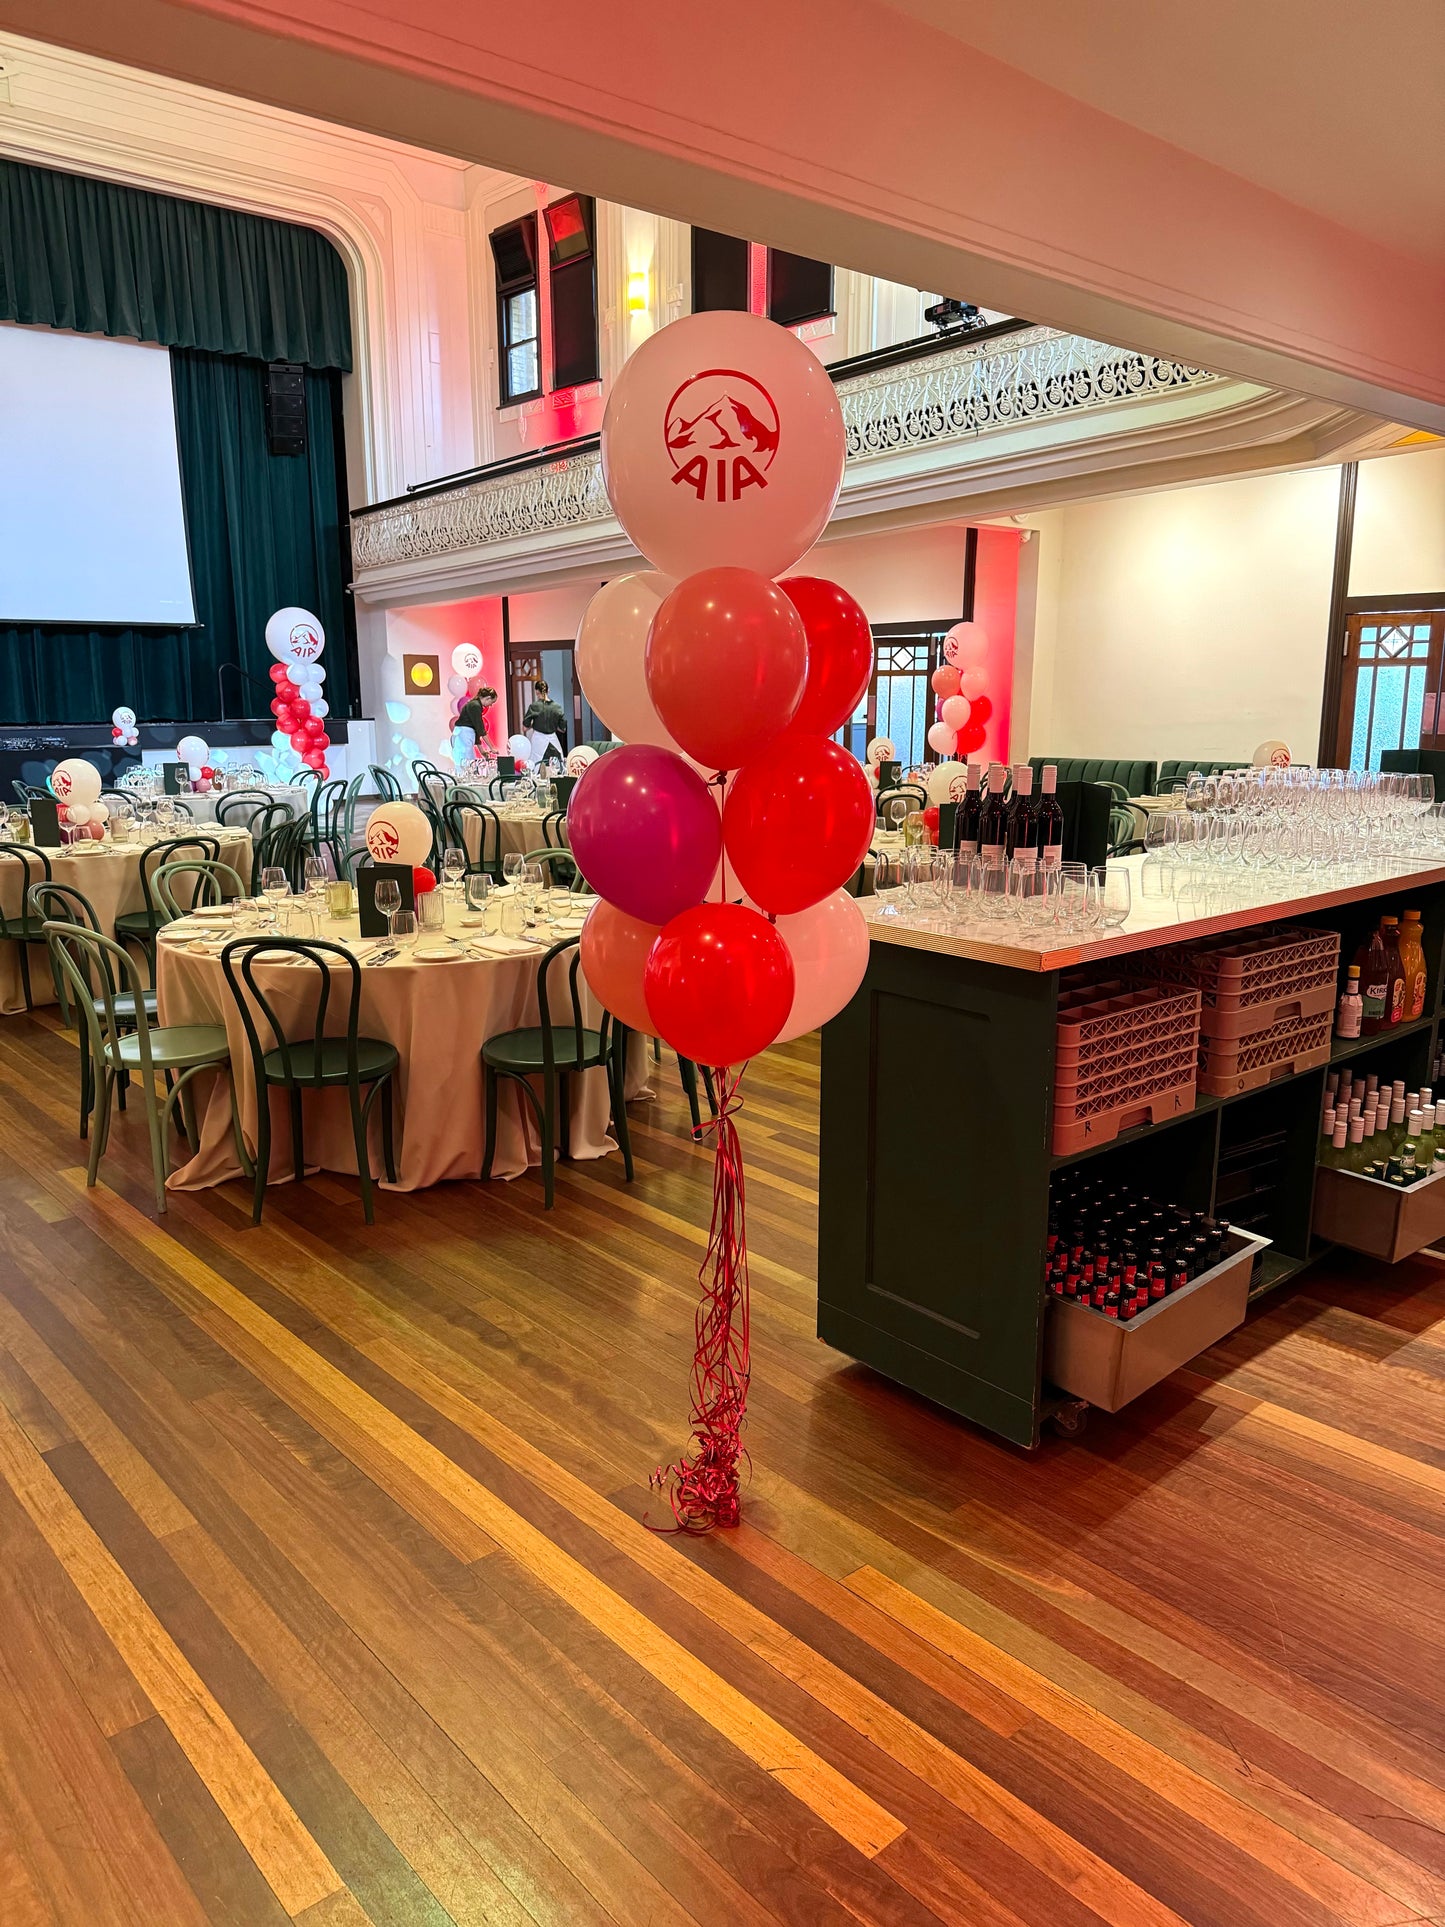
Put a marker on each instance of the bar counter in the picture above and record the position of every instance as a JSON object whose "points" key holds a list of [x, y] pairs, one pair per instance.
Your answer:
{"points": [[937, 1101]]}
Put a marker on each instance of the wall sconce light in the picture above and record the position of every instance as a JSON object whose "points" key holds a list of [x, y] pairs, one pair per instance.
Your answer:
{"points": [[637, 291]]}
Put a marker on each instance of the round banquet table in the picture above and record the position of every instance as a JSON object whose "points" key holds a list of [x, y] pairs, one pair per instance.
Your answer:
{"points": [[108, 874], [438, 1015], [520, 832], [203, 808]]}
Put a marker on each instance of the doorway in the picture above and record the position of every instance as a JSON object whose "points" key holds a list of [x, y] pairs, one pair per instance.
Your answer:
{"points": [[552, 663], [1390, 694]]}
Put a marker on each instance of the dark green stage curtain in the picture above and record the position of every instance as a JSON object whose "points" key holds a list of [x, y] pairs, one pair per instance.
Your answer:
{"points": [[265, 530], [101, 259]]}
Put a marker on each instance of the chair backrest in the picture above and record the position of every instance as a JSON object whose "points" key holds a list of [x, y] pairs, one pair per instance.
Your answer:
{"points": [[280, 838], [352, 861], [497, 788], [24, 792], [239, 960], [431, 786], [462, 793], [30, 859], [1136, 775], [96, 967], [489, 824], [913, 794], [422, 769], [385, 783], [212, 883], [554, 830], [174, 850], [306, 774], [1122, 829], [559, 867], [60, 903], [243, 806], [544, 1006]]}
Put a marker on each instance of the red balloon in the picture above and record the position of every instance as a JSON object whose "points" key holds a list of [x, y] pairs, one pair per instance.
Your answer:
{"points": [[325, 771], [930, 822], [719, 983], [840, 652], [313, 759], [300, 707], [422, 879], [726, 660], [321, 740], [277, 705], [980, 709], [796, 827], [278, 672], [970, 737]]}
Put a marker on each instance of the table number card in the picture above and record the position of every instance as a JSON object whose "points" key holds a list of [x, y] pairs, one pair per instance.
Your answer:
{"points": [[45, 822], [947, 813], [562, 788], [171, 774], [506, 766], [890, 775], [373, 921]]}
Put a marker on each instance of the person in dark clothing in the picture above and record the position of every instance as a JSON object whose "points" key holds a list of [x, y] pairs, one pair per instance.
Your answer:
{"points": [[545, 716], [473, 715]]}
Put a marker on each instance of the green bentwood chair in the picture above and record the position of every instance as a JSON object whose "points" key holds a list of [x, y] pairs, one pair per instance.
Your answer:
{"points": [[140, 926], [63, 903], [554, 1052], [210, 884], [311, 1064], [22, 928], [456, 814], [85, 957]]}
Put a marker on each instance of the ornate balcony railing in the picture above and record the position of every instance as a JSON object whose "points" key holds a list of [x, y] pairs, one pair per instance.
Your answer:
{"points": [[963, 392]]}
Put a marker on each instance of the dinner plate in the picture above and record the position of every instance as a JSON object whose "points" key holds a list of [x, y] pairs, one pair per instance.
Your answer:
{"points": [[436, 956]]}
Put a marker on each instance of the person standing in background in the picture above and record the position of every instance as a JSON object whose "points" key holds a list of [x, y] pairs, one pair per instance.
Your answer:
{"points": [[545, 723], [473, 716]]}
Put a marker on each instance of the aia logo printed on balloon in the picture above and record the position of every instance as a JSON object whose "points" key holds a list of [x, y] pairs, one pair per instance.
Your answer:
{"points": [[384, 843], [721, 430], [306, 645]]}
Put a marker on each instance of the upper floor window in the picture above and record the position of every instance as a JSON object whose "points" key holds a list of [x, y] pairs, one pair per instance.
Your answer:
{"points": [[798, 288], [572, 280], [514, 250]]}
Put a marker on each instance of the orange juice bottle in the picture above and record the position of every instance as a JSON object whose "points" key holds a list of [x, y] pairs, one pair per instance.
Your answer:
{"points": [[1412, 956]]}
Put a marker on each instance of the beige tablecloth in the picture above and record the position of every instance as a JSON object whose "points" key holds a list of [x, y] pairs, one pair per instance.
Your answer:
{"points": [[109, 876], [203, 808], [438, 1015], [519, 834]]}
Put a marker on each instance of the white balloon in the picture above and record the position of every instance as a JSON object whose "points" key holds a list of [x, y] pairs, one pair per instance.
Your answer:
{"points": [[611, 648], [466, 661], [880, 750], [78, 814], [280, 740], [398, 833], [723, 443], [295, 675], [319, 706], [99, 812], [123, 719], [193, 750], [294, 635], [829, 947], [520, 747], [579, 759], [948, 783], [75, 781], [456, 685]]}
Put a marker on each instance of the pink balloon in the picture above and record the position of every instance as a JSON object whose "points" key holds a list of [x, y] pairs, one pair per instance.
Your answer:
{"points": [[965, 645], [972, 682], [955, 712], [723, 445], [829, 948], [611, 646], [646, 831], [942, 738], [945, 680]]}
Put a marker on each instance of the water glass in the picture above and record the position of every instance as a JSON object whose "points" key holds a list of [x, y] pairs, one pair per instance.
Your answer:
{"points": [[1071, 909], [402, 928], [477, 890], [1111, 895], [992, 888], [431, 910], [890, 876]]}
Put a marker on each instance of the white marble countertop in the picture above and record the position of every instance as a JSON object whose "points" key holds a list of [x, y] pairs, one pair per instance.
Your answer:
{"points": [[1204, 902]]}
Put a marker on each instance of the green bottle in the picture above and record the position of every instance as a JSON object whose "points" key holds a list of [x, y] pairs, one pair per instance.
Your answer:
{"points": [[1357, 1157], [1425, 1151], [1334, 1157], [1409, 1155]]}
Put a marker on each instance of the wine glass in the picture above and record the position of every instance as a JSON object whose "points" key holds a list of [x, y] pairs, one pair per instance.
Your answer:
{"points": [[388, 898], [316, 879], [477, 889], [454, 866], [511, 864], [274, 886]]}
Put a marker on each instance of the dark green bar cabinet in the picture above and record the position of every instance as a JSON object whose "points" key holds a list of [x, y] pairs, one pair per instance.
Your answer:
{"points": [[937, 1090]]}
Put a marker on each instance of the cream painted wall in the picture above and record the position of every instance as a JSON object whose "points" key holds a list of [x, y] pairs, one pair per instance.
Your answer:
{"points": [[1399, 546], [1187, 622], [910, 575]]}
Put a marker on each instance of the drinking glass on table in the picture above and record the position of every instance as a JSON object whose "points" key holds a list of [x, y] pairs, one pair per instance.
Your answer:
{"points": [[477, 890], [1112, 896], [388, 897], [402, 929], [274, 887], [890, 874], [511, 864], [454, 867], [316, 879], [992, 888]]}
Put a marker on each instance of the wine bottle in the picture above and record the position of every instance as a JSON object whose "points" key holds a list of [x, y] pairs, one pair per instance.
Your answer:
{"points": [[1051, 818], [1023, 816], [993, 818], [965, 822]]}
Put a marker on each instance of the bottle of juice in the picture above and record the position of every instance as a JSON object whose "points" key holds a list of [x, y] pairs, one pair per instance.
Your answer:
{"points": [[1395, 993], [1412, 956], [1374, 962]]}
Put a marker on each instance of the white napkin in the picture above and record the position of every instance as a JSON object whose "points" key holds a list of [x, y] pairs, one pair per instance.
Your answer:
{"points": [[500, 946]]}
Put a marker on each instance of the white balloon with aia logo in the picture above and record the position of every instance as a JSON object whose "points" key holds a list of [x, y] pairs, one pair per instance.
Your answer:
{"points": [[295, 636], [398, 833]]}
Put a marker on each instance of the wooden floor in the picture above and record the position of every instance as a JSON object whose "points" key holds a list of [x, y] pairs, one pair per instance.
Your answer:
{"points": [[324, 1592]]}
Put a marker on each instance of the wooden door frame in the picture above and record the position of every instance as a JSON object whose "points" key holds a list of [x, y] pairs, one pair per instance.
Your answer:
{"points": [[1386, 611]]}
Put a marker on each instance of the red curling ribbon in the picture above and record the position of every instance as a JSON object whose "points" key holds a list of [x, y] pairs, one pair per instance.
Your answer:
{"points": [[702, 1486]]}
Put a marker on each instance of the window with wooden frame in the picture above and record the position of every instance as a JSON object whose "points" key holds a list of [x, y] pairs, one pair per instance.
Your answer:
{"points": [[572, 281], [519, 334], [1390, 695]]}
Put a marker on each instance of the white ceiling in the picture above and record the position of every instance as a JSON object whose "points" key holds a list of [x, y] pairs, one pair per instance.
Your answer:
{"points": [[1332, 104]]}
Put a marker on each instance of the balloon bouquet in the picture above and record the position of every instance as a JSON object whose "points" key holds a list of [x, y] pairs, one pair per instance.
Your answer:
{"points": [[123, 731], [721, 834], [296, 639], [960, 682], [75, 785]]}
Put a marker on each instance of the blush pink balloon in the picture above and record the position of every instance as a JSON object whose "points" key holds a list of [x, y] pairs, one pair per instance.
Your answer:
{"points": [[614, 956], [942, 738], [965, 644], [646, 831], [946, 680], [972, 682], [611, 652], [829, 947], [955, 712]]}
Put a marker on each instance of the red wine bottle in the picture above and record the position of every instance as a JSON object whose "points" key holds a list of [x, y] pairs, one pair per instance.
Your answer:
{"points": [[993, 820], [1051, 819], [1023, 816], [965, 822]]}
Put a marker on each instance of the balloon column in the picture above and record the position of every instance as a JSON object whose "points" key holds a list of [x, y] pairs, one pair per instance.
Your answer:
{"points": [[720, 835], [75, 785], [960, 683], [123, 731], [296, 639]]}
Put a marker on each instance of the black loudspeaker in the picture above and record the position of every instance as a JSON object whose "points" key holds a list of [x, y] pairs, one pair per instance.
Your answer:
{"points": [[286, 407]]}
